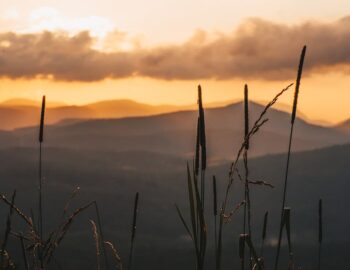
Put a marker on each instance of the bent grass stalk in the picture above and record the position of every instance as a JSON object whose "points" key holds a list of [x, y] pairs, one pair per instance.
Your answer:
{"points": [[97, 243], [294, 111], [233, 168], [115, 254]]}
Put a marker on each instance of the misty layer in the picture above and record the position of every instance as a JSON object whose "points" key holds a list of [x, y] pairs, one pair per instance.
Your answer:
{"points": [[257, 49]]}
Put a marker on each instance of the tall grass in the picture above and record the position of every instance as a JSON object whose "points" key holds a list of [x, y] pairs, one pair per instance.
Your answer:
{"points": [[294, 111], [247, 211], [133, 230], [100, 228], [260, 121], [215, 215], [40, 212], [197, 232], [24, 252], [8, 229], [97, 244], [320, 232], [198, 229], [263, 236], [202, 143]]}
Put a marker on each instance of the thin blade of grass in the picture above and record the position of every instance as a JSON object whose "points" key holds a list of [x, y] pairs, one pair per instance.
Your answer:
{"points": [[193, 205], [184, 222], [320, 231], [296, 94], [133, 230], [266, 216]]}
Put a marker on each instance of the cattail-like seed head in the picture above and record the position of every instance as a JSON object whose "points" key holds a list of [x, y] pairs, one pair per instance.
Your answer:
{"points": [[320, 222], [297, 85], [200, 105], [246, 116], [215, 200], [202, 129], [135, 216], [42, 120], [265, 225], [286, 223]]}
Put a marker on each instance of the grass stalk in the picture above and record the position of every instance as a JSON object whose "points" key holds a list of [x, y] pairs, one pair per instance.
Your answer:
{"points": [[263, 237], [247, 206], [296, 94], [40, 210], [198, 236], [215, 215], [99, 222], [97, 244], [24, 253], [133, 230], [202, 142], [8, 229], [261, 120], [320, 232]]}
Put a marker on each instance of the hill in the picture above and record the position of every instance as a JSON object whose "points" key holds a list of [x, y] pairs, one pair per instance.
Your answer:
{"points": [[174, 133], [113, 177], [344, 127]]}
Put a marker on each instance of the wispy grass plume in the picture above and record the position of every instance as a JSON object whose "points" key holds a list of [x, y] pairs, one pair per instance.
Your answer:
{"points": [[295, 103], [115, 254], [259, 122], [97, 243], [8, 229]]}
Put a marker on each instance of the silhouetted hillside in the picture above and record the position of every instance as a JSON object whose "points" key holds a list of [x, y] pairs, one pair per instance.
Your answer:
{"points": [[344, 127], [112, 178], [174, 133]]}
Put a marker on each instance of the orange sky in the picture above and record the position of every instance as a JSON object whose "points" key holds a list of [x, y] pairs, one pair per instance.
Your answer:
{"points": [[324, 91]]}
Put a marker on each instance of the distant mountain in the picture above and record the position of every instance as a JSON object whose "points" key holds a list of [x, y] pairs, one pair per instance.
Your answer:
{"points": [[19, 113], [174, 133], [113, 177], [344, 127], [29, 102]]}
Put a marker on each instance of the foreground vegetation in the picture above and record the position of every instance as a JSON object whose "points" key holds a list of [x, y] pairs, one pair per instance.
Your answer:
{"points": [[39, 247]]}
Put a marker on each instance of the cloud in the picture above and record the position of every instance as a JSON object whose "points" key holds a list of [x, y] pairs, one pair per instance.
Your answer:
{"points": [[257, 49], [50, 19]]}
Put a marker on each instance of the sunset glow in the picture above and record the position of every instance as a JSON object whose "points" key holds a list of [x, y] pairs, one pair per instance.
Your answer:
{"points": [[149, 54]]}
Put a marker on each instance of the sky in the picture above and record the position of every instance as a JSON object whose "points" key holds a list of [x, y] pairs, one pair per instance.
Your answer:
{"points": [[157, 51]]}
